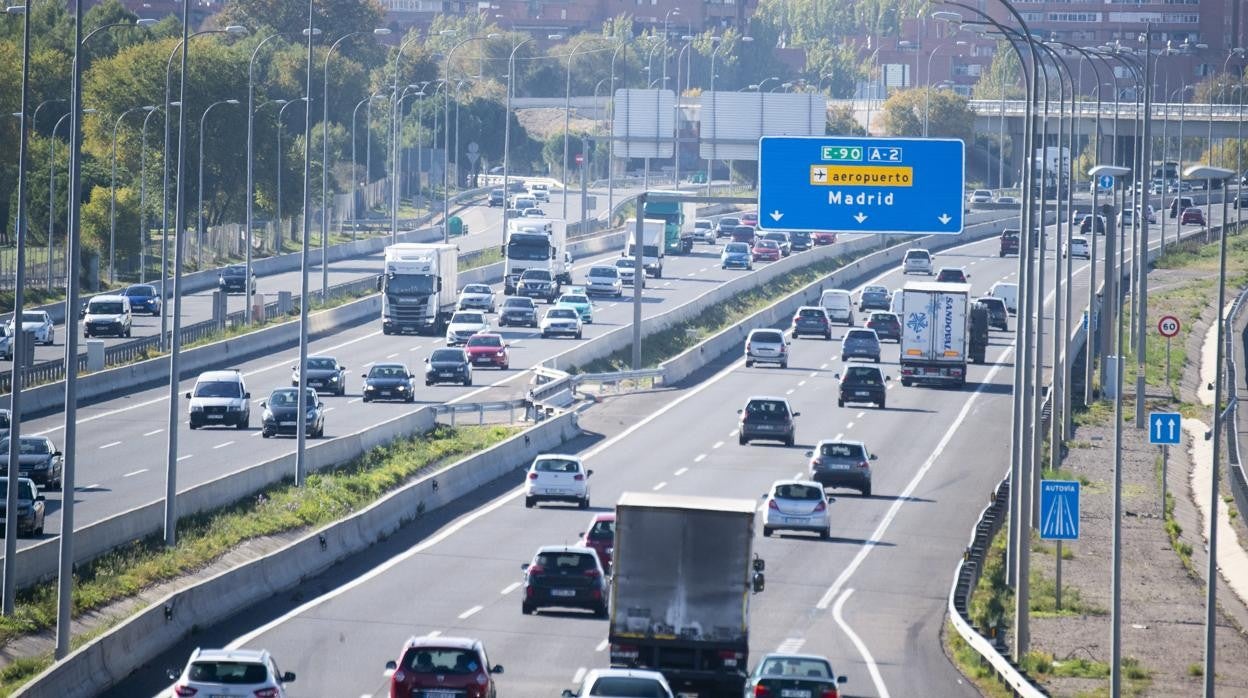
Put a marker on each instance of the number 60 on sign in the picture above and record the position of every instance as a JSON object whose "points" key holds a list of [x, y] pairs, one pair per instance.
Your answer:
{"points": [[1168, 326]]}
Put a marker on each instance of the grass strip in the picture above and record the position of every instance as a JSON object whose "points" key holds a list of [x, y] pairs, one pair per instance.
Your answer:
{"points": [[326, 497]]}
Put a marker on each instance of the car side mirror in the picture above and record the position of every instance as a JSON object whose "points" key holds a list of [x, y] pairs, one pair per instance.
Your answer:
{"points": [[264, 403], [797, 414], [381, 280], [40, 498], [363, 375], [172, 674], [873, 456], [888, 378], [759, 564], [524, 567], [836, 375], [842, 679], [498, 669], [588, 473], [390, 665], [763, 495], [739, 411], [319, 404], [831, 499], [411, 375], [188, 396], [567, 693], [56, 454], [247, 396], [342, 368], [288, 677], [809, 454]]}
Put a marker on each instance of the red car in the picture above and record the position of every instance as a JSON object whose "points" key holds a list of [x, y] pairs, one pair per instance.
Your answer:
{"points": [[750, 218], [1192, 216], [766, 251], [601, 538], [453, 665], [488, 349], [822, 239]]}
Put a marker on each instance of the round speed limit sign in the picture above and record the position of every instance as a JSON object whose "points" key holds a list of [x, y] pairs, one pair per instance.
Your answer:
{"points": [[1168, 326]]}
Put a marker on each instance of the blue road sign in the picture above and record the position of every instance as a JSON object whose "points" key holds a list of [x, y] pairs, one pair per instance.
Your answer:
{"points": [[1164, 428], [1059, 509], [1105, 182], [861, 185]]}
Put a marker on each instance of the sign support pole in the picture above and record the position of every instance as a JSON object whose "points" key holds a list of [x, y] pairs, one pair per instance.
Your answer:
{"points": [[1168, 388], [1057, 590], [1165, 465]]}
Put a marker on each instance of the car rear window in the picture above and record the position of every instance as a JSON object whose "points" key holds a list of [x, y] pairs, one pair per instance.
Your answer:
{"points": [[556, 465], [447, 355], [811, 312], [602, 530], [622, 686], [767, 408], [950, 275], [228, 672], [841, 451], [477, 288], [801, 492], [139, 291], [884, 318], [485, 341], [562, 313], [860, 335], [725, 222], [768, 336], [863, 375], [736, 247], [567, 562], [105, 308], [918, 254], [436, 660], [536, 275], [797, 666]]}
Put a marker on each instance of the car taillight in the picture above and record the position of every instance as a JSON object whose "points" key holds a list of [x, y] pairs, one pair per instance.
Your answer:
{"points": [[816, 462], [731, 658], [782, 349], [747, 346], [863, 464], [820, 506], [771, 504], [532, 476], [578, 477], [266, 693], [536, 570], [185, 690], [761, 690], [593, 574], [830, 693]]}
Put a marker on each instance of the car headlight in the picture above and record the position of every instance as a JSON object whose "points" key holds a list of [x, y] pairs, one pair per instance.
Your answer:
{"points": [[402, 388], [197, 408], [368, 388], [42, 465], [312, 414], [333, 379], [236, 408], [268, 416]]}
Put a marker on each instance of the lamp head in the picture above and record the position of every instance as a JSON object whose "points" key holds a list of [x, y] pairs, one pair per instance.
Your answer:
{"points": [[748, 39], [381, 31], [240, 30], [145, 22], [231, 101], [15, 10], [947, 16], [555, 37]]}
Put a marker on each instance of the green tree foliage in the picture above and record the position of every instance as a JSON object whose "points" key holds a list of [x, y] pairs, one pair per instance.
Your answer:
{"points": [[95, 224], [335, 17], [1004, 76], [949, 115], [841, 122], [833, 65], [1221, 88], [1230, 154]]}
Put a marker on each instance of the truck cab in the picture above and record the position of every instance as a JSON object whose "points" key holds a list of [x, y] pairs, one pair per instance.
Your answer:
{"points": [[652, 244], [678, 220], [418, 287], [539, 244]]}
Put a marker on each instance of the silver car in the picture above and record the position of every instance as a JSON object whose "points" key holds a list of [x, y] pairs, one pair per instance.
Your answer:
{"points": [[37, 321], [627, 268], [704, 230], [766, 346], [603, 280]]}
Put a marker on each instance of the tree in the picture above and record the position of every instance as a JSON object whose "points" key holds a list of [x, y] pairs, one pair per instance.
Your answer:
{"points": [[1221, 88], [1230, 154], [335, 17], [1003, 77], [96, 225], [949, 115], [834, 63], [841, 122]]}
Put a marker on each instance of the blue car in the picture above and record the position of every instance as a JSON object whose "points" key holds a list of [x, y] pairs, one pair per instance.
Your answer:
{"points": [[580, 303], [143, 299], [736, 254]]}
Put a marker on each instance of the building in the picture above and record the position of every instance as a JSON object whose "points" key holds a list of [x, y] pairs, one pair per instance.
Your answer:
{"points": [[578, 15]]}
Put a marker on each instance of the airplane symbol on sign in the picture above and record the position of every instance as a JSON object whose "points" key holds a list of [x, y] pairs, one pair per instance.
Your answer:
{"points": [[820, 174]]}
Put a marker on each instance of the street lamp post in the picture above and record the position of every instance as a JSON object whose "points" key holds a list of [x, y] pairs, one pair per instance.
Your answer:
{"points": [[112, 198], [688, 39], [927, 93], [567, 114], [199, 210], [278, 202], [446, 139], [674, 12], [305, 300], [394, 140], [511, 90], [143, 228], [251, 176]]}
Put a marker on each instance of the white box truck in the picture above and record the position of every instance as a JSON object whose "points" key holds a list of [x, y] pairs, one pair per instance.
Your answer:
{"points": [[536, 243], [418, 287], [934, 333], [652, 244]]}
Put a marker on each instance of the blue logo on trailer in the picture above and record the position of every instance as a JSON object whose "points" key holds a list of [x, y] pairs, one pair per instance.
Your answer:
{"points": [[903, 186], [1059, 509], [1165, 428]]}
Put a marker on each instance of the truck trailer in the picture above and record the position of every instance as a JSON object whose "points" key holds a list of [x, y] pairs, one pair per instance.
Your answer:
{"points": [[934, 333]]}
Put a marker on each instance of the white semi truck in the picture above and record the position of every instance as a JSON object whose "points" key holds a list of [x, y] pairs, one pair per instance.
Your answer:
{"points": [[934, 333], [653, 237], [536, 243], [418, 287]]}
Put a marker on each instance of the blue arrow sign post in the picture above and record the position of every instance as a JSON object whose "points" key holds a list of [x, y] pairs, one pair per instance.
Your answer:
{"points": [[1164, 428], [901, 186], [1105, 182]]}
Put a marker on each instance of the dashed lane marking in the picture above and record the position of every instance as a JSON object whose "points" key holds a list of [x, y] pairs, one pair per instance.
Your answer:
{"points": [[137, 472], [470, 612], [699, 458], [154, 432], [681, 471], [718, 444], [227, 443], [659, 486], [110, 445], [509, 588]]}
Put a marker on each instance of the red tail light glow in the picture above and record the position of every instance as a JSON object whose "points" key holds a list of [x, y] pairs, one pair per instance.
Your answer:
{"points": [[266, 693], [185, 690], [761, 690], [578, 477], [830, 693], [532, 476], [536, 570], [482, 679], [820, 506], [863, 464], [771, 504], [816, 462], [592, 574]]}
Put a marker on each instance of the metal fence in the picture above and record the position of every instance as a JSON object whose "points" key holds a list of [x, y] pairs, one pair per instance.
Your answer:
{"points": [[36, 268], [1235, 466]]}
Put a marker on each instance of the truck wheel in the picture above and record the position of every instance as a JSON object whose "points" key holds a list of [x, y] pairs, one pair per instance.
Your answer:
{"points": [[742, 440], [658, 274], [905, 382], [825, 534], [749, 364], [385, 330], [882, 404], [583, 504], [866, 491]]}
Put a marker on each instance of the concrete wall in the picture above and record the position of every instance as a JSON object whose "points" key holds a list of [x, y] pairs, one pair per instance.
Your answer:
{"points": [[101, 663]]}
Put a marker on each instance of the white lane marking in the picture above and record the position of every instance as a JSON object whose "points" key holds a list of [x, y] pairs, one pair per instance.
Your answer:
{"points": [[257, 433], [699, 458], [732, 433], [154, 432], [227, 443], [872, 668], [849, 426], [789, 391], [813, 374], [354, 400], [823, 366], [801, 383], [859, 415], [718, 444], [435, 633], [137, 472], [182, 458], [578, 676], [667, 283], [791, 645], [509, 588], [798, 476], [601, 646], [887, 521], [659, 486], [692, 273], [838, 436], [328, 410], [470, 612], [110, 445], [681, 471], [391, 356], [88, 487]]}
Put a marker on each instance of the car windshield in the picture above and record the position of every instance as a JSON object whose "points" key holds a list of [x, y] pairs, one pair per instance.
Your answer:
{"points": [[860, 336], [484, 341], [767, 244], [627, 687], [518, 302], [410, 283], [625, 263], [769, 337], [528, 246], [778, 237], [603, 271], [736, 248], [602, 530], [4, 420], [32, 446], [388, 372], [466, 319], [25, 490], [701, 225], [105, 308], [322, 365], [219, 389], [446, 355], [862, 375], [557, 465], [561, 313], [569, 562], [141, 291], [574, 300], [477, 288], [801, 492], [851, 451], [432, 660], [796, 666], [33, 317], [799, 236], [284, 398], [536, 275], [235, 271]]}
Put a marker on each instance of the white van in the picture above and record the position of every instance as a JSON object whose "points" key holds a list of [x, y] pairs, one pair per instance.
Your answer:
{"points": [[839, 305], [1008, 293], [107, 315]]}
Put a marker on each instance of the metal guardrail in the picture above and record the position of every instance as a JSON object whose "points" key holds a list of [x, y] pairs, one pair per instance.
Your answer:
{"points": [[1126, 110], [481, 408], [616, 381], [1235, 466]]}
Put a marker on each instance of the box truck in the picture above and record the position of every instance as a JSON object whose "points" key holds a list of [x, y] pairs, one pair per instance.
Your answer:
{"points": [[418, 287], [934, 333]]}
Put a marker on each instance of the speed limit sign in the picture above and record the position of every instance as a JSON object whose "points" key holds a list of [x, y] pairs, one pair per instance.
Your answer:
{"points": [[1168, 326]]}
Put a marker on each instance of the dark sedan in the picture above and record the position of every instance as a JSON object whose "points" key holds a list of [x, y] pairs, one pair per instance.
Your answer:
{"points": [[38, 460], [800, 241], [875, 298], [143, 299], [725, 225], [30, 507], [325, 375], [518, 310], [886, 326], [998, 316], [388, 382], [1192, 216], [812, 319], [281, 414], [804, 675], [233, 279], [448, 366]]}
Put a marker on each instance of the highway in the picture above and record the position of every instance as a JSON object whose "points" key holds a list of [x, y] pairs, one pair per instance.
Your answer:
{"points": [[484, 231], [872, 599]]}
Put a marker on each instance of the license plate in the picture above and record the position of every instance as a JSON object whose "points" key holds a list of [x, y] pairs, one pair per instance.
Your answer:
{"points": [[216, 416], [385, 393], [841, 466], [794, 519], [286, 424], [438, 694], [862, 393], [556, 490], [445, 374], [794, 693], [563, 592]]}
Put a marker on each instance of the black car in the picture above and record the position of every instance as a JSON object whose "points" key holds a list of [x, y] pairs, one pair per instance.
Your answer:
{"points": [[862, 383], [1009, 242], [448, 366], [30, 507], [325, 375], [232, 279], [497, 198], [565, 577], [38, 460], [1085, 225], [767, 418], [723, 228], [281, 414], [389, 382], [538, 283], [143, 299], [835, 463], [860, 344], [875, 298], [998, 316], [743, 233], [886, 326], [800, 241], [517, 311], [812, 319]]}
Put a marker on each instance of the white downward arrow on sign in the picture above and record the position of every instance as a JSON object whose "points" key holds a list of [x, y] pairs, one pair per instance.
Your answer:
{"points": [[776, 215], [860, 217], [944, 218]]}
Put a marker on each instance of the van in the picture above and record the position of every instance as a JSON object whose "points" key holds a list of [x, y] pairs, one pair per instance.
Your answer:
{"points": [[839, 305], [1178, 203], [1008, 293], [107, 315]]}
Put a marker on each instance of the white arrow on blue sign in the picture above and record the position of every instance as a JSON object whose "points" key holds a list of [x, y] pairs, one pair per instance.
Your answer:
{"points": [[1059, 509], [1106, 182], [1165, 428]]}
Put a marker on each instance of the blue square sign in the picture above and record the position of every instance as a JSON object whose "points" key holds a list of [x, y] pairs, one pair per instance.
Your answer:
{"points": [[1059, 509], [904, 186], [1165, 428]]}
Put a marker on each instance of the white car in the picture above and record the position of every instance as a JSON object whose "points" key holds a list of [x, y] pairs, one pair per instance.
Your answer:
{"points": [[1078, 247], [604, 280], [627, 267], [230, 673], [534, 212], [704, 230], [797, 505], [37, 321], [981, 196], [917, 262], [555, 477], [622, 682], [220, 398], [463, 325], [1008, 293], [561, 320], [540, 192], [477, 297]]}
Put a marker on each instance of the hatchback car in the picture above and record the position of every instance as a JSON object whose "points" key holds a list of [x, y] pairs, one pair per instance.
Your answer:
{"points": [[750, 218], [497, 197], [38, 460], [448, 366], [220, 398], [604, 280], [981, 196], [704, 230], [766, 251], [561, 321], [743, 233], [781, 239], [233, 279], [579, 302], [800, 241], [725, 226], [556, 477], [540, 192], [874, 298], [1008, 242], [861, 343], [952, 275], [794, 675], [325, 375], [768, 418], [736, 254], [821, 239], [998, 316], [389, 382], [766, 346], [917, 262], [812, 319], [634, 683], [627, 267], [31, 506], [518, 311], [839, 304], [796, 505], [838, 463], [143, 299], [38, 322], [488, 349], [439, 665], [1192, 216], [886, 326], [463, 325], [281, 414], [231, 673], [477, 297], [601, 537], [1078, 247], [1085, 225], [862, 383], [107, 315], [565, 576]]}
